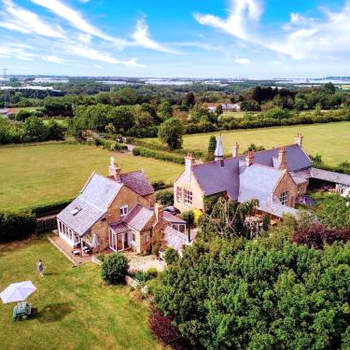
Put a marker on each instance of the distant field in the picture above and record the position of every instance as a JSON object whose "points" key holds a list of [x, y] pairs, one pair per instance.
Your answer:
{"points": [[331, 140], [32, 175]]}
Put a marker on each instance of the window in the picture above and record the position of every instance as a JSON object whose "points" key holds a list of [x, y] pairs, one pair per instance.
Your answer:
{"points": [[124, 210], [179, 194], [284, 198], [133, 237], [187, 197]]}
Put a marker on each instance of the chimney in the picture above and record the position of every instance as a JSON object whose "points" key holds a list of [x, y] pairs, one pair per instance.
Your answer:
{"points": [[249, 158], [298, 140], [158, 210], [282, 158], [189, 161], [235, 151], [114, 171]]}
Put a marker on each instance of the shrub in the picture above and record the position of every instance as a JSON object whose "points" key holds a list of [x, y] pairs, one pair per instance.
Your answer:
{"points": [[115, 268], [318, 235], [142, 277], [171, 256], [164, 330], [16, 226], [153, 272], [165, 197], [149, 153], [159, 185], [136, 151]]}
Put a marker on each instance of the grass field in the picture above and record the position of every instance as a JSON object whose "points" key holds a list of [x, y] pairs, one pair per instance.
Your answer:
{"points": [[331, 140], [32, 175], [74, 309]]}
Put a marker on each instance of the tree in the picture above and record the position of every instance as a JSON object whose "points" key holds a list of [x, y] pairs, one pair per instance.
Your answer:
{"points": [[334, 211], [56, 130], [212, 145], [122, 117], [277, 113], [227, 295], [165, 110], [165, 197], [35, 129], [219, 110], [171, 256], [189, 100], [171, 132], [115, 268]]}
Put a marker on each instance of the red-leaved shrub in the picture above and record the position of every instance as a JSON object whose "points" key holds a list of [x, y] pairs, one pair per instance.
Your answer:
{"points": [[165, 331], [318, 235]]}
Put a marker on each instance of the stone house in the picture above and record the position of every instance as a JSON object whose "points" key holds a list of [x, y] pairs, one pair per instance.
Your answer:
{"points": [[277, 177], [119, 213]]}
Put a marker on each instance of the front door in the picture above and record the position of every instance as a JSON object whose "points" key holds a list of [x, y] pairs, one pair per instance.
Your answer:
{"points": [[126, 242], [112, 240], [120, 241]]}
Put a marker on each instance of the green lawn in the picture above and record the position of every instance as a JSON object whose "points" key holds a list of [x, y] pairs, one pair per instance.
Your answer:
{"points": [[32, 175], [331, 140], [74, 309]]}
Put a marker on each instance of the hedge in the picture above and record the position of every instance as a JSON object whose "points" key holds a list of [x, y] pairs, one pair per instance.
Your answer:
{"points": [[148, 153], [16, 226], [48, 208]]}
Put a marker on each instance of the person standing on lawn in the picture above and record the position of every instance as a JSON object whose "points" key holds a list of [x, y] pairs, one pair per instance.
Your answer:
{"points": [[40, 268]]}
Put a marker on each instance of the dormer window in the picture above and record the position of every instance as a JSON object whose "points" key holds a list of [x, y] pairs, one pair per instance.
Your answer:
{"points": [[124, 210]]}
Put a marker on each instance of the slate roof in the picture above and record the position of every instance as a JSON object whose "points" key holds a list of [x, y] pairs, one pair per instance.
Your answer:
{"points": [[172, 218], [119, 227], [214, 178], [175, 239], [138, 217], [85, 218], [258, 182], [90, 206], [297, 159], [330, 176], [138, 182]]}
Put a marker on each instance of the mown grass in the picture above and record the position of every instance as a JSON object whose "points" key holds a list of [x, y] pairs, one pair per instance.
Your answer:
{"points": [[331, 140], [31, 175], [73, 307]]}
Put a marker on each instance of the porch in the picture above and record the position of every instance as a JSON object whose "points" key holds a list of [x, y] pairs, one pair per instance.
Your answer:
{"points": [[120, 237]]}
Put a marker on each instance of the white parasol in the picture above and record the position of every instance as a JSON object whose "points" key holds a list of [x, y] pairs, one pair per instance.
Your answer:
{"points": [[17, 292]]}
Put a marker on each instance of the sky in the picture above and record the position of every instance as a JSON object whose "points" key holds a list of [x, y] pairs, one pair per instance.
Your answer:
{"points": [[184, 38]]}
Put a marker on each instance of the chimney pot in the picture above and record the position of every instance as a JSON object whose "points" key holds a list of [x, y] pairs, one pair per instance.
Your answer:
{"points": [[250, 158], [282, 158], [235, 151], [299, 139], [158, 209]]}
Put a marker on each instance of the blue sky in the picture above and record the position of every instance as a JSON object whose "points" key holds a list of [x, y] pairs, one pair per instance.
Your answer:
{"points": [[186, 38]]}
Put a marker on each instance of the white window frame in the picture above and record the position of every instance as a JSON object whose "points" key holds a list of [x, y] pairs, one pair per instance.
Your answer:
{"points": [[188, 197], [179, 194], [284, 197], [124, 210]]}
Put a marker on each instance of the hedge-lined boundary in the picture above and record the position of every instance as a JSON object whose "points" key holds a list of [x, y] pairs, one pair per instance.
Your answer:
{"points": [[149, 153], [50, 208], [16, 225], [163, 148]]}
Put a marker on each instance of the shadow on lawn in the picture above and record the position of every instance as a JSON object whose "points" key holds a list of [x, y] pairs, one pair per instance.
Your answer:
{"points": [[53, 312]]}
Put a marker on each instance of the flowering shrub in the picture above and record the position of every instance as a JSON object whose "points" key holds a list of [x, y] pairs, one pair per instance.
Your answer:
{"points": [[318, 235]]}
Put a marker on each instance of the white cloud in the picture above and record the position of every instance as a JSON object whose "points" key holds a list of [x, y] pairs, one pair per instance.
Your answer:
{"points": [[77, 20], [143, 38], [305, 37], [16, 50], [27, 22], [242, 14], [242, 61], [53, 59], [96, 55]]}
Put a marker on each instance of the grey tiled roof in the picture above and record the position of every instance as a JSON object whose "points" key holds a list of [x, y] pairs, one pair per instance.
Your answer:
{"points": [[297, 159], [257, 182], [174, 239], [138, 217], [91, 204], [214, 178], [84, 219], [330, 176], [138, 182], [172, 218], [100, 191]]}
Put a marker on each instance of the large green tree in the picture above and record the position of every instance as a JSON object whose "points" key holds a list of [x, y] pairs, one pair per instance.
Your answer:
{"points": [[171, 132], [227, 295]]}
